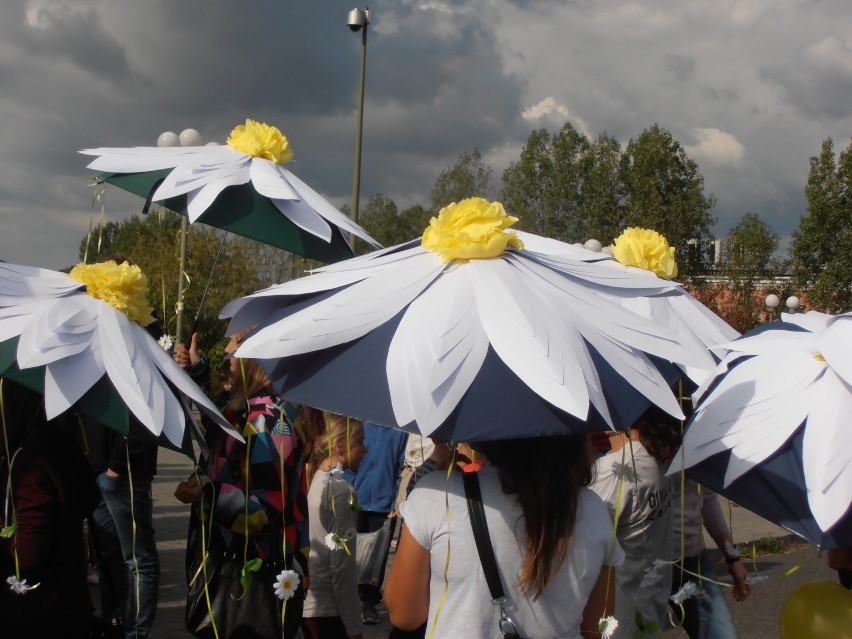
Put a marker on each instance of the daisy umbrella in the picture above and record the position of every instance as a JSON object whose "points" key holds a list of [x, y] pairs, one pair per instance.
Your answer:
{"points": [[64, 336], [475, 333], [241, 187], [772, 432]]}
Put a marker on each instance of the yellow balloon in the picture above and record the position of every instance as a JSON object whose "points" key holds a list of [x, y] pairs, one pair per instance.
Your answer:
{"points": [[817, 610]]}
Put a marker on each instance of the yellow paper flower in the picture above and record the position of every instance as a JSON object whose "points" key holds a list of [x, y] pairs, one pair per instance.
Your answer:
{"points": [[260, 140], [646, 249], [122, 286], [472, 229]]}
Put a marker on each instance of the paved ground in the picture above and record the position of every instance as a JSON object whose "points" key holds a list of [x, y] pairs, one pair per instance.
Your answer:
{"points": [[757, 618]]}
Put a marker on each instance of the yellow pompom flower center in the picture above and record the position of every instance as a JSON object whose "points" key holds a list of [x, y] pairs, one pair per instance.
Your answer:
{"points": [[471, 229], [647, 249], [260, 140], [122, 286]]}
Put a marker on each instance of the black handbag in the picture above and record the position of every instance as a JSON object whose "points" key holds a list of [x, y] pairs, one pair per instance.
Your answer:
{"points": [[508, 627], [239, 613]]}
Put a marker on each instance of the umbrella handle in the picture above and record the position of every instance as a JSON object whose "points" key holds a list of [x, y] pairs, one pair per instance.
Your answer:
{"points": [[150, 198]]}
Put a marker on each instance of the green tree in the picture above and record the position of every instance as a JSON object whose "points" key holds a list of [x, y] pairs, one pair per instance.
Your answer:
{"points": [[388, 225], [665, 192], [822, 245], [602, 202], [748, 253], [468, 177], [544, 187], [747, 258]]}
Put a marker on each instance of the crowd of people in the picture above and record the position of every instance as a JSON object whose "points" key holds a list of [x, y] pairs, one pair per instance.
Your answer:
{"points": [[591, 539]]}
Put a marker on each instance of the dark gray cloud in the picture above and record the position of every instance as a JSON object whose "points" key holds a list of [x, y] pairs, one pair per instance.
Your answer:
{"points": [[819, 83], [751, 88], [680, 67]]}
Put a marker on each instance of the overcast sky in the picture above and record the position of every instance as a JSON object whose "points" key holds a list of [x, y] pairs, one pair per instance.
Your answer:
{"points": [[750, 88]]}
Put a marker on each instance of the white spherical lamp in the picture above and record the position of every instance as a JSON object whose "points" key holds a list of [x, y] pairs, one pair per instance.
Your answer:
{"points": [[169, 138], [793, 303], [190, 137]]}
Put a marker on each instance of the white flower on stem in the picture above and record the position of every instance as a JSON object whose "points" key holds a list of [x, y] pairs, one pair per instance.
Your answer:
{"points": [[607, 626], [336, 472], [731, 551], [756, 579], [18, 586], [689, 589], [166, 342], [286, 584], [652, 574], [335, 542]]}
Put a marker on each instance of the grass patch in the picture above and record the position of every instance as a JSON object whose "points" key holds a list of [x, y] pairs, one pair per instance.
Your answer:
{"points": [[771, 545]]}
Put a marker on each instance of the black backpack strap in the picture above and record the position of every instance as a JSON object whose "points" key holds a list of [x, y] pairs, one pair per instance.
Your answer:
{"points": [[479, 525], [480, 535]]}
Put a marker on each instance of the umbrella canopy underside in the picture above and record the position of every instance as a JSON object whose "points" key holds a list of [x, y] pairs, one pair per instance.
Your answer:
{"points": [[242, 210]]}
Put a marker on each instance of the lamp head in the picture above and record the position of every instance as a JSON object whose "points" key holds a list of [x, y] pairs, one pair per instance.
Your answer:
{"points": [[772, 301], [358, 18]]}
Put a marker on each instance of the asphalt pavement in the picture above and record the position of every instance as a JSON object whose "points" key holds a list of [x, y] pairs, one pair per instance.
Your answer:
{"points": [[756, 618]]}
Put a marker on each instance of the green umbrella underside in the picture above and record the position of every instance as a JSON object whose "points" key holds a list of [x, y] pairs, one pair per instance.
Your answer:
{"points": [[242, 210]]}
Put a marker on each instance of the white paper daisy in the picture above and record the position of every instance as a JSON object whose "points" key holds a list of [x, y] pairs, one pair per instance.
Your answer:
{"points": [[607, 626], [552, 313], [73, 330], [255, 153], [771, 385], [286, 584], [689, 589]]}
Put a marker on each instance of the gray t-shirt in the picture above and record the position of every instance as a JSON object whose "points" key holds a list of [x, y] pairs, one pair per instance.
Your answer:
{"points": [[644, 532], [436, 515], [334, 573]]}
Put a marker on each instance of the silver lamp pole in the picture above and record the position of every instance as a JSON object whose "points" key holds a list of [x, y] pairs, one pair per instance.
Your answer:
{"points": [[357, 20], [188, 137]]}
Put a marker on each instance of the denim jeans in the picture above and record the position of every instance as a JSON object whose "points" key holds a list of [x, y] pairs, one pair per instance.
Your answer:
{"points": [[112, 571], [141, 558], [707, 615]]}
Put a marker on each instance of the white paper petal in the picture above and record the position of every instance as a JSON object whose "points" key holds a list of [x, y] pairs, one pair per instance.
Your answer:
{"points": [[142, 159], [826, 446], [346, 315], [325, 209], [199, 201], [527, 339], [835, 345], [436, 353], [68, 379], [270, 181], [132, 383], [305, 217], [753, 411], [188, 178]]}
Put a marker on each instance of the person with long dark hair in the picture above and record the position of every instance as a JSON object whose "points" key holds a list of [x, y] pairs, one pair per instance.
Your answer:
{"points": [[551, 537]]}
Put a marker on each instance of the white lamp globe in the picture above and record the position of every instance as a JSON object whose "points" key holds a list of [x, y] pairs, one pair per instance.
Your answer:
{"points": [[169, 138], [772, 301], [593, 245], [793, 303], [190, 137]]}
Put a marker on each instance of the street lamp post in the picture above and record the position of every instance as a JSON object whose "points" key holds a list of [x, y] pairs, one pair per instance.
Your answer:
{"points": [[772, 301], [188, 137], [357, 20]]}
